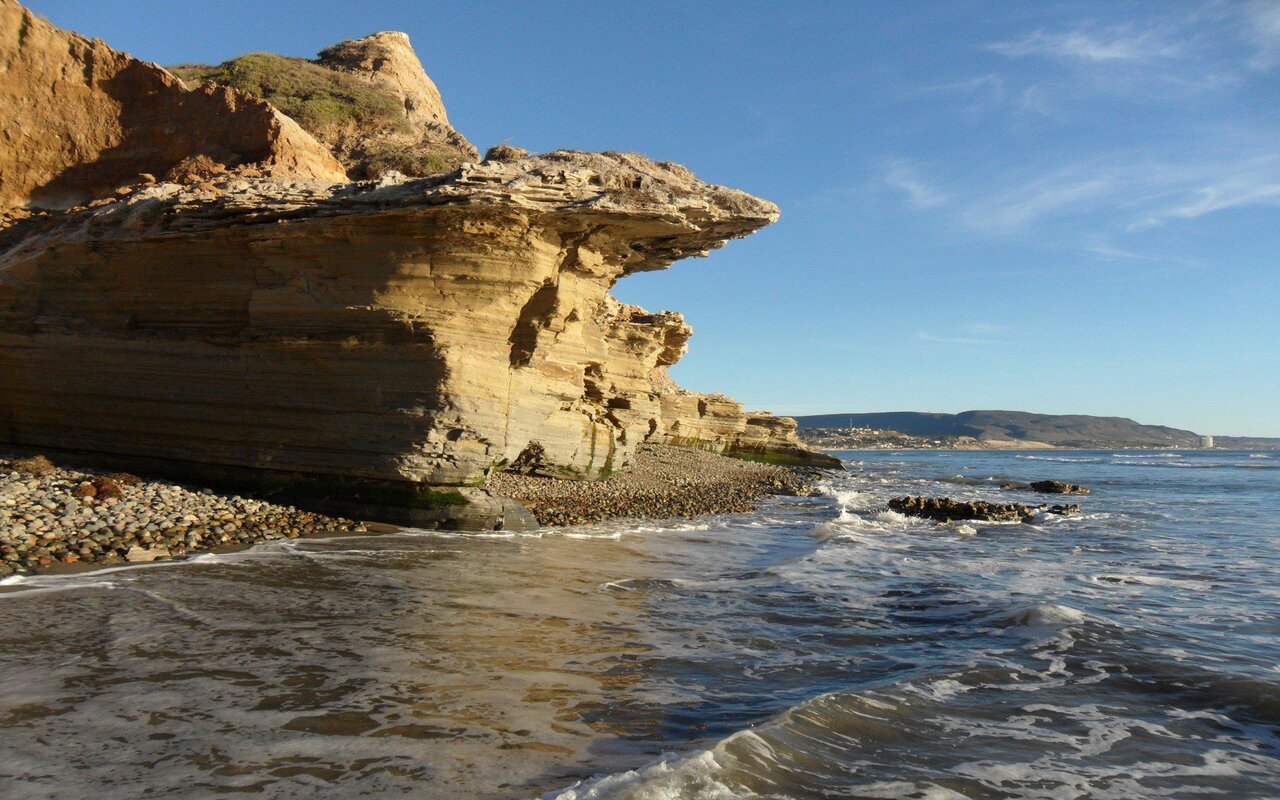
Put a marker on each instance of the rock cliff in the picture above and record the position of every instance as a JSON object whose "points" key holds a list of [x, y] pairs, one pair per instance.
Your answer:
{"points": [[396, 332], [82, 120]]}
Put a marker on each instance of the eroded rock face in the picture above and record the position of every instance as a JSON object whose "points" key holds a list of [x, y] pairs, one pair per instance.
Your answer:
{"points": [[81, 119], [392, 331], [388, 60], [720, 424], [416, 331]]}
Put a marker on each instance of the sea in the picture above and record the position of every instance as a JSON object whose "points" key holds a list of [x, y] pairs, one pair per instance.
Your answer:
{"points": [[821, 647]]}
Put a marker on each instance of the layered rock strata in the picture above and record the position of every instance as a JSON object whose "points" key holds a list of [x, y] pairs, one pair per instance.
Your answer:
{"points": [[421, 331], [363, 338]]}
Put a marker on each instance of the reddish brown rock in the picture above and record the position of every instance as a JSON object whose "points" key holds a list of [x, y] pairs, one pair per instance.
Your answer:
{"points": [[82, 119]]}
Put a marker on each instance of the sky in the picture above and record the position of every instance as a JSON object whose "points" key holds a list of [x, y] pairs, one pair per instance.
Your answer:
{"points": [[1053, 207]]}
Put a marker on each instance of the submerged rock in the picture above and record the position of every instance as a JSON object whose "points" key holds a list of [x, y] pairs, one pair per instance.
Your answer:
{"points": [[1058, 487], [945, 509]]}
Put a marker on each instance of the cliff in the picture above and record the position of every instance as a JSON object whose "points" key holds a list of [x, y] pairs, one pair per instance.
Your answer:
{"points": [[82, 120], [399, 332]]}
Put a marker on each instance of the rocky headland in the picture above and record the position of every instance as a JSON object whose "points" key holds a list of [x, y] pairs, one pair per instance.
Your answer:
{"points": [[191, 285]]}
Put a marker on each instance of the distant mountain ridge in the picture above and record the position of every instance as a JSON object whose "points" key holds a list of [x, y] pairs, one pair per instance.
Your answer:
{"points": [[1058, 430]]}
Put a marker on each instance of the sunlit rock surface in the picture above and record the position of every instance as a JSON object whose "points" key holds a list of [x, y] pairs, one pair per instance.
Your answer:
{"points": [[419, 331]]}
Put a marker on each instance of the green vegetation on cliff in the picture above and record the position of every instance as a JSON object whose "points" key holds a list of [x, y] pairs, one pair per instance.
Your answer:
{"points": [[325, 102], [364, 125]]}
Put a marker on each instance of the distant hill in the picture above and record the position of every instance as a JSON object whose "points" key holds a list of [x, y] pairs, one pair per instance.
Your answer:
{"points": [[1059, 430]]}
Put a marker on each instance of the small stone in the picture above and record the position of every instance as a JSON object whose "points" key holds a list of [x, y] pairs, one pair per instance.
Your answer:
{"points": [[141, 555]]}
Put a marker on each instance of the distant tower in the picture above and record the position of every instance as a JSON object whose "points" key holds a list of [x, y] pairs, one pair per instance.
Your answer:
{"points": [[1206, 441]]}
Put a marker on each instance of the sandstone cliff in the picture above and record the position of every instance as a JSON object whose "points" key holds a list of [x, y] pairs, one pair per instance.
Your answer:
{"points": [[81, 120], [399, 331]]}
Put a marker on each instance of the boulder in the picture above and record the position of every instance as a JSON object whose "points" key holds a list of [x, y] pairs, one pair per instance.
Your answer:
{"points": [[35, 465]]}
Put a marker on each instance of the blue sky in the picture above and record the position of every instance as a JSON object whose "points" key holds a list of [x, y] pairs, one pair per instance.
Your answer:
{"points": [[1054, 207]]}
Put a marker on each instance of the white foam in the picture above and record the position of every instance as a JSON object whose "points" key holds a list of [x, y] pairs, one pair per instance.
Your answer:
{"points": [[1126, 579], [941, 690], [1049, 615], [690, 778], [892, 790], [850, 498], [892, 517]]}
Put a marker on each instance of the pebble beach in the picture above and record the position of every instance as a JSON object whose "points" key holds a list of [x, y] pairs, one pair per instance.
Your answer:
{"points": [[53, 516], [663, 482]]}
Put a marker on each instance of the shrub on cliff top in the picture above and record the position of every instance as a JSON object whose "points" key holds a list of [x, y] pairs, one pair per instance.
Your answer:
{"points": [[323, 101], [364, 126]]}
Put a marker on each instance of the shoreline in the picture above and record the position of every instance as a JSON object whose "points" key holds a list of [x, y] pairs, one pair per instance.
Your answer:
{"points": [[663, 482], [62, 520], [55, 519]]}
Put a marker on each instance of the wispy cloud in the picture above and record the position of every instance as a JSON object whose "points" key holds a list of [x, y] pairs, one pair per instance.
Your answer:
{"points": [[1242, 191], [1066, 192], [1082, 44], [1114, 196], [990, 82], [1137, 126], [1261, 27], [1035, 100], [1112, 253], [983, 328], [905, 178]]}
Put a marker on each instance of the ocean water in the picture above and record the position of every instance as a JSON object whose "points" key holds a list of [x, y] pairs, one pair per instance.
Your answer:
{"points": [[821, 647]]}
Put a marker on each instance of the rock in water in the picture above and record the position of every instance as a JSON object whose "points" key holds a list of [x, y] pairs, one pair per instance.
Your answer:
{"points": [[944, 509], [1058, 487]]}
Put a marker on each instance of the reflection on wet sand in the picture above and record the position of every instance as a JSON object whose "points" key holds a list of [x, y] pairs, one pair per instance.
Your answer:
{"points": [[426, 655], [820, 647]]}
